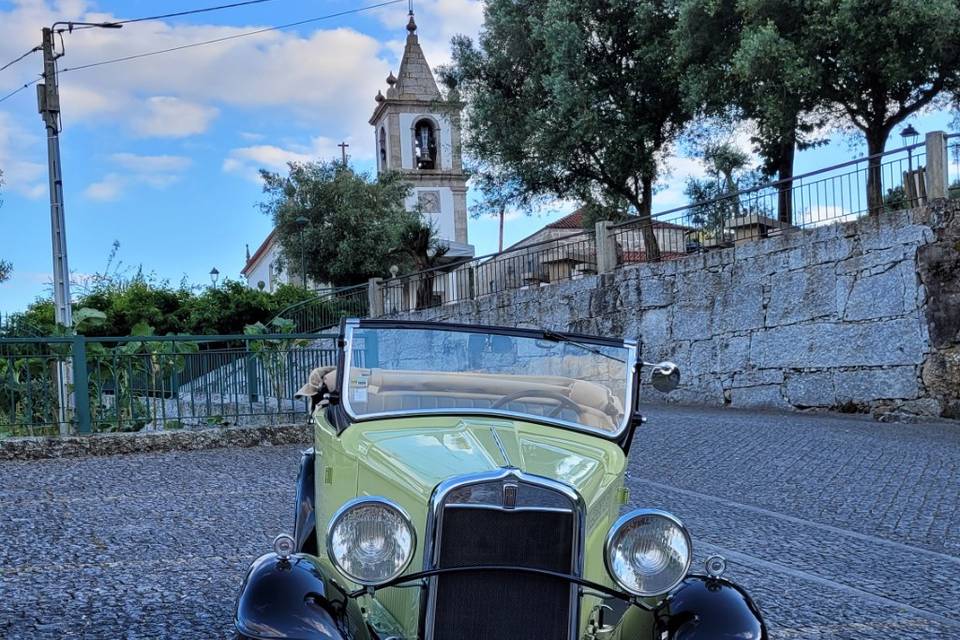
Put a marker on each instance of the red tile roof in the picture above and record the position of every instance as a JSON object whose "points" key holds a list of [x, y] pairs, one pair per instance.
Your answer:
{"points": [[262, 249], [575, 221], [571, 221]]}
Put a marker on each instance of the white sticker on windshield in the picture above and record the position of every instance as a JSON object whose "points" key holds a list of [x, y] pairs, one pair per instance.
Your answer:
{"points": [[360, 389]]}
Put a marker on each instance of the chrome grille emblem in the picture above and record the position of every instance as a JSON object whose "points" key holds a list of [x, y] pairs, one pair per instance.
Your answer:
{"points": [[509, 496]]}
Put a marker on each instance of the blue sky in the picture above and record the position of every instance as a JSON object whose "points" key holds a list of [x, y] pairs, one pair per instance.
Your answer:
{"points": [[161, 153]]}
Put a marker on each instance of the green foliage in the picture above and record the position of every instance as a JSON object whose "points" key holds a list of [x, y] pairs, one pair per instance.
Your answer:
{"points": [[895, 199], [117, 308], [274, 355], [572, 99], [884, 60], [354, 222], [595, 211], [716, 198], [756, 60]]}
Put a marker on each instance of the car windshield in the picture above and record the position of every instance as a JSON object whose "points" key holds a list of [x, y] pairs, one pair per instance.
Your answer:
{"points": [[578, 382]]}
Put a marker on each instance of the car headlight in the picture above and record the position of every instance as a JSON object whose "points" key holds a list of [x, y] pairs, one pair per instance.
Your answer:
{"points": [[371, 540], [648, 552]]}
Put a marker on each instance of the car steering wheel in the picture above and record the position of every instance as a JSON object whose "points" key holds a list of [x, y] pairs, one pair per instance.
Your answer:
{"points": [[551, 395]]}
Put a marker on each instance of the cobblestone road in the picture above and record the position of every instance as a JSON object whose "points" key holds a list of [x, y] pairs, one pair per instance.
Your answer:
{"points": [[841, 528]]}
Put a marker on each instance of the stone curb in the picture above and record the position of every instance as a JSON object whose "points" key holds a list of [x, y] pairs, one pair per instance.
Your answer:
{"points": [[110, 444]]}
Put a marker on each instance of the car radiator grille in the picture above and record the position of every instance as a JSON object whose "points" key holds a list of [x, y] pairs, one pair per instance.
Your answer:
{"points": [[504, 605]]}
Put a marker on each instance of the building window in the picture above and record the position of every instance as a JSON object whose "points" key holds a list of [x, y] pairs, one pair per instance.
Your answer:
{"points": [[425, 144], [383, 148]]}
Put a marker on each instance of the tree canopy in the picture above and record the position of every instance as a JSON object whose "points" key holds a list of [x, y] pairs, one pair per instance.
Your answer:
{"points": [[574, 99], [354, 225], [756, 60], [883, 61], [583, 99], [142, 300]]}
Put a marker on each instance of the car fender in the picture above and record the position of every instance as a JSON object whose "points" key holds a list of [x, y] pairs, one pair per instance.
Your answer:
{"points": [[293, 598], [700, 608], [704, 608], [305, 522]]}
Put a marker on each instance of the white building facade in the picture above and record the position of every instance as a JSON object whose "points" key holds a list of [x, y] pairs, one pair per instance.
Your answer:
{"points": [[417, 132]]}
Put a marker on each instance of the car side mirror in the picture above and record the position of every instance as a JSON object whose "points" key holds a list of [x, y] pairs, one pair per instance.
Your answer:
{"points": [[665, 377]]}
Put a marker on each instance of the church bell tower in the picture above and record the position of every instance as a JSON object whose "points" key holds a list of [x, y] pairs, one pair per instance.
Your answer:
{"points": [[417, 132]]}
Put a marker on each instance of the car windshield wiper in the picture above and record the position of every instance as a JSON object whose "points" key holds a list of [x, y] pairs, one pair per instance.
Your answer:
{"points": [[553, 336]]}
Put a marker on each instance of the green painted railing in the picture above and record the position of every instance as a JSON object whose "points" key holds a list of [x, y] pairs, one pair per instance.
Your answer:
{"points": [[76, 384], [327, 309]]}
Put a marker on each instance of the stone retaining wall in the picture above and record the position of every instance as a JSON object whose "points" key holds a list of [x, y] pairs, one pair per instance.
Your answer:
{"points": [[120, 443], [858, 316]]}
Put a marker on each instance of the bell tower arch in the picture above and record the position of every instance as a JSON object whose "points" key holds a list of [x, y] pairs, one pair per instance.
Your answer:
{"points": [[417, 132]]}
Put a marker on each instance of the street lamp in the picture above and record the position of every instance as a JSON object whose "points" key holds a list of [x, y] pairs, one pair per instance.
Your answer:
{"points": [[909, 135], [303, 222], [214, 276]]}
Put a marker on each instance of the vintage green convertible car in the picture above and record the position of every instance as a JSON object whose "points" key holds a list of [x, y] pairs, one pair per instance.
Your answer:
{"points": [[467, 482]]}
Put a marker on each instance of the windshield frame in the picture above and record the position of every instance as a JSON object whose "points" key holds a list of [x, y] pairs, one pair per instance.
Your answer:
{"points": [[631, 367]]}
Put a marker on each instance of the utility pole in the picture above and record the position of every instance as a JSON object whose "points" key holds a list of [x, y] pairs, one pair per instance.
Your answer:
{"points": [[48, 103]]}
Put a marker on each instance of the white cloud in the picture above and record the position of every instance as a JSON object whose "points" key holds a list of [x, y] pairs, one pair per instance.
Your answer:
{"points": [[141, 163], [107, 189], [157, 172], [437, 22], [18, 148], [247, 161], [323, 79], [169, 117]]}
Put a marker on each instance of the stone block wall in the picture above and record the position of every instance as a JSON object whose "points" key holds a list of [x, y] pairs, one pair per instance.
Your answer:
{"points": [[857, 316]]}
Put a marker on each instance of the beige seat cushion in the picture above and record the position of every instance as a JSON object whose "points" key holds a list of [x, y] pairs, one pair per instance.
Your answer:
{"points": [[399, 390]]}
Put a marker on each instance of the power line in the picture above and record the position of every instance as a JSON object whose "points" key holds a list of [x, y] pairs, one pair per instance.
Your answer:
{"points": [[16, 60], [290, 25], [18, 90], [192, 11], [71, 27]]}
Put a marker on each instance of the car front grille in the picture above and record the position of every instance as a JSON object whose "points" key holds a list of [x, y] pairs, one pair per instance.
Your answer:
{"points": [[502, 605]]}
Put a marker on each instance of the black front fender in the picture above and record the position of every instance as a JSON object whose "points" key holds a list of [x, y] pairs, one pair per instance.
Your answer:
{"points": [[703, 608], [295, 599], [305, 521]]}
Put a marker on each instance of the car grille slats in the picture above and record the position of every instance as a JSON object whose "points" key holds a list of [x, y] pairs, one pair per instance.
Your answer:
{"points": [[504, 605]]}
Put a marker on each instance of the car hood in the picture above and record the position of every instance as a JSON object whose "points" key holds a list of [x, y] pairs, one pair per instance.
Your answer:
{"points": [[413, 455]]}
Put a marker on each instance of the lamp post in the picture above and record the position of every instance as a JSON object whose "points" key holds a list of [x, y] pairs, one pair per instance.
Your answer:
{"points": [[303, 222], [909, 135], [214, 276]]}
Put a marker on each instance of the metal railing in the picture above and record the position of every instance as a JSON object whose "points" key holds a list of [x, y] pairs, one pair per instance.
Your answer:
{"points": [[328, 308], [953, 164], [75, 384], [16, 325], [838, 193], [566, 257], [893, 180]]}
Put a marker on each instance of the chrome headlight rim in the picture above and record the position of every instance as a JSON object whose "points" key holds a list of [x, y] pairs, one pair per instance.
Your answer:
{"points": [[628, 517], [363, 501]]}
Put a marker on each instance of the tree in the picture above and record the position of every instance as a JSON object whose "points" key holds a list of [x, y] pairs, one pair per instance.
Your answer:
{"points": [[716, 199], [419, 243], [884, 60], [752, 59], [354, 222], [575, 99]]}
